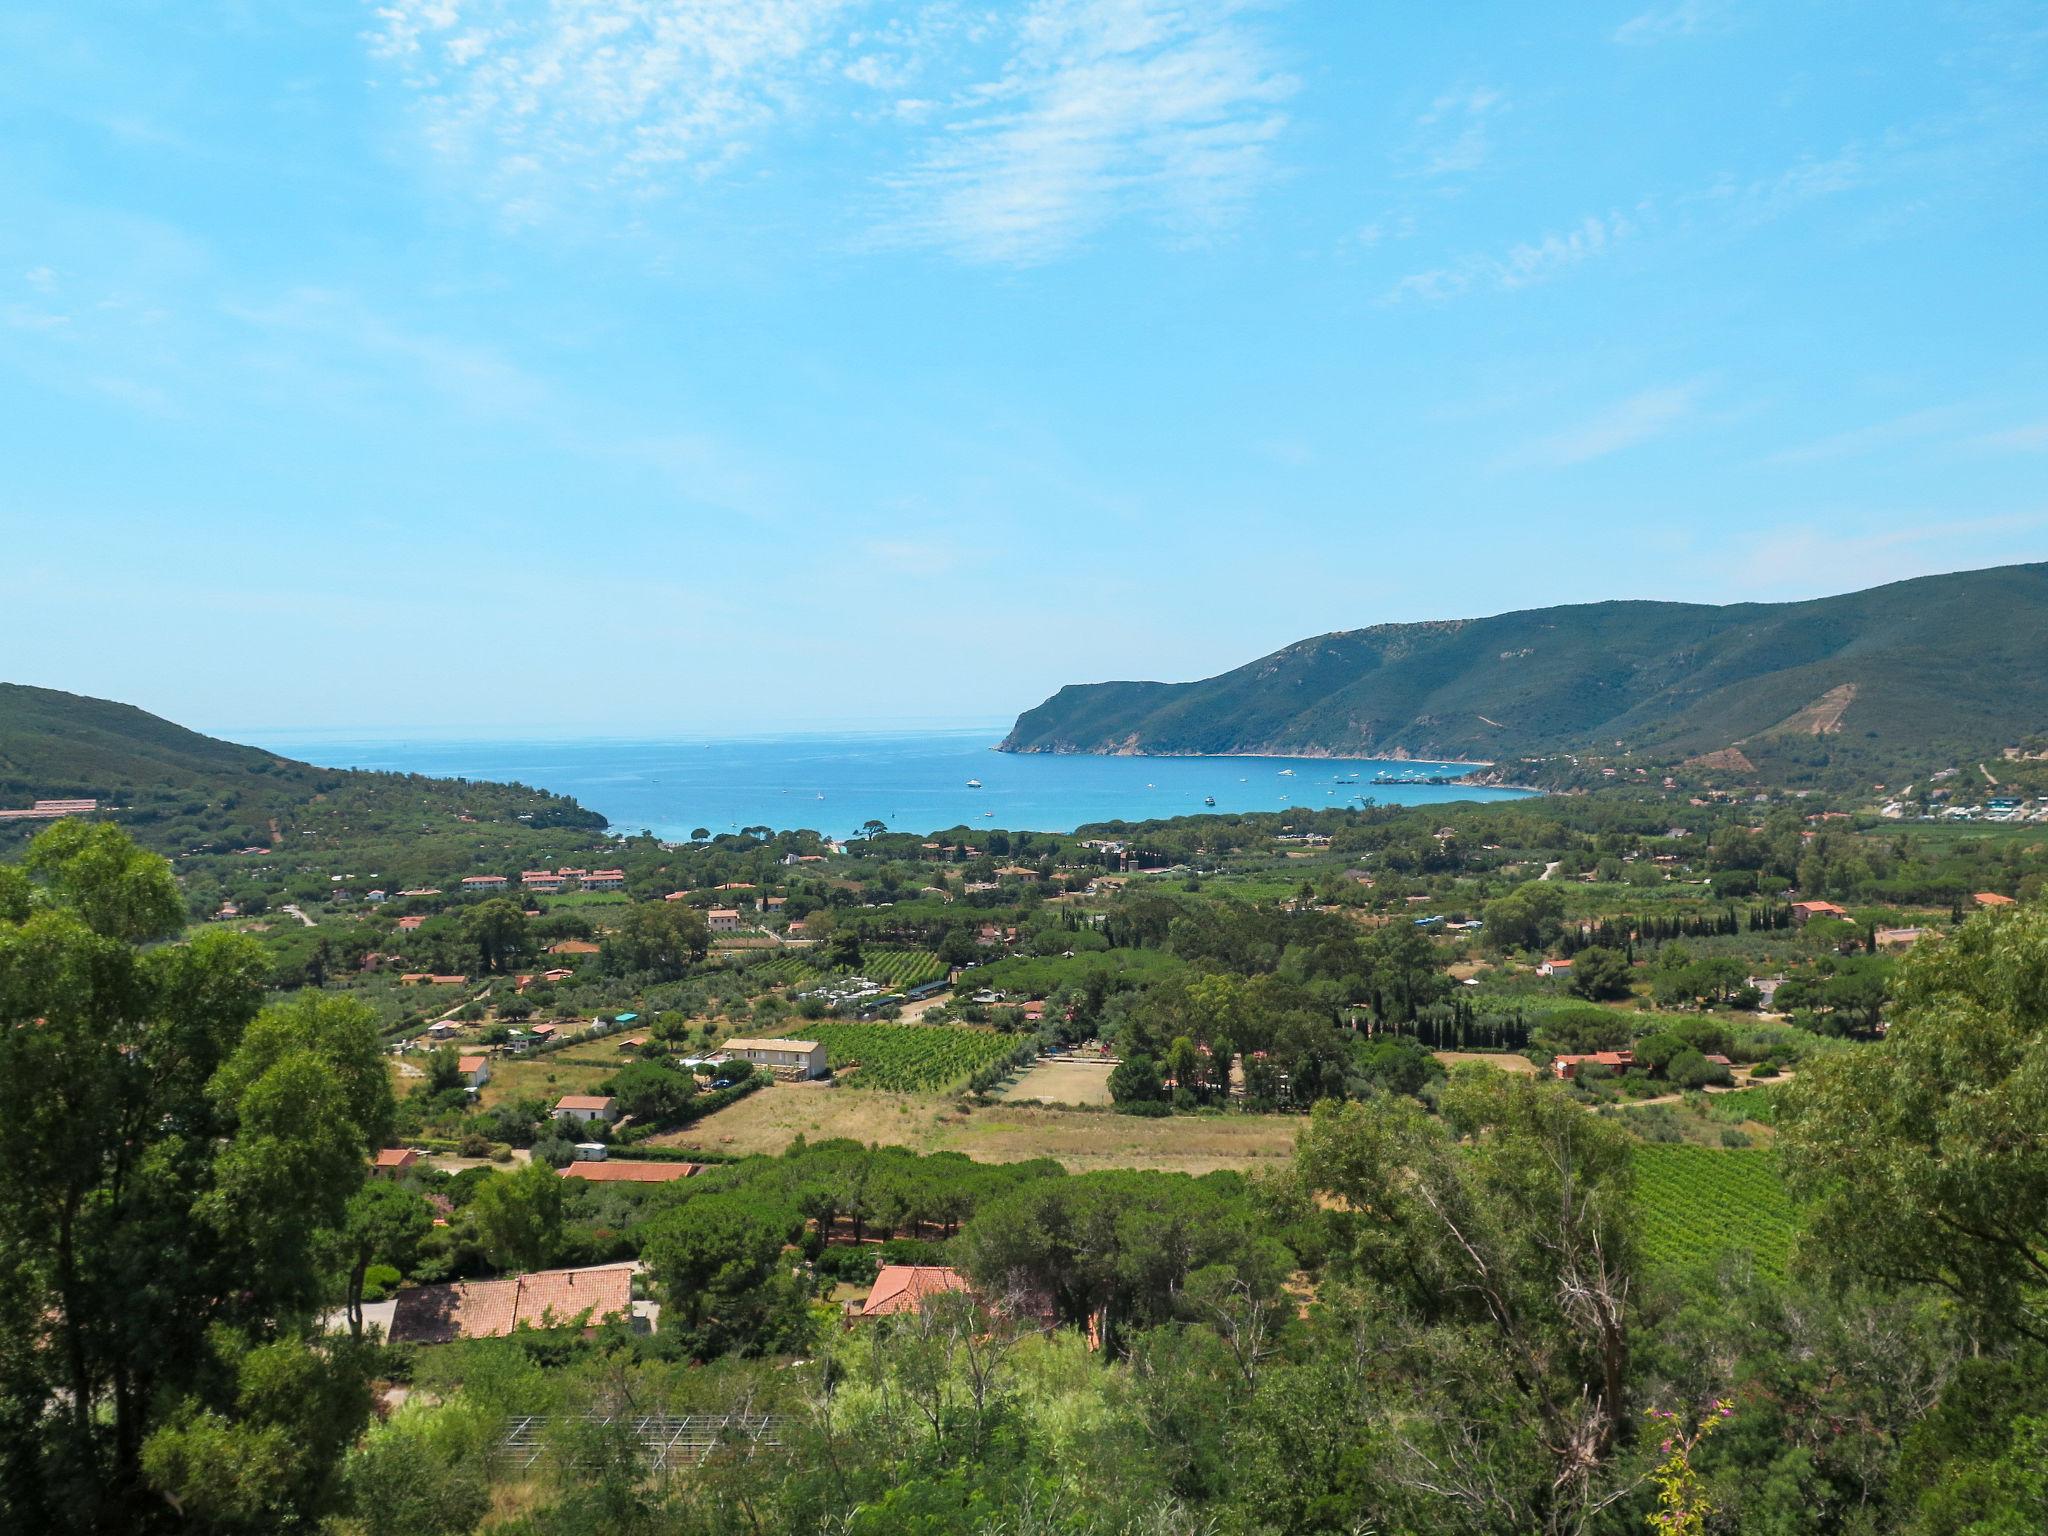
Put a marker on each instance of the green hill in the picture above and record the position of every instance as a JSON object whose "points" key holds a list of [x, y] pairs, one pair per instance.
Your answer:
{"points": [[1941, 661], [179, 790]]}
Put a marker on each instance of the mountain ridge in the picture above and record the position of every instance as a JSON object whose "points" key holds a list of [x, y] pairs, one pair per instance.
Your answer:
{"points": [[1934, 659]]}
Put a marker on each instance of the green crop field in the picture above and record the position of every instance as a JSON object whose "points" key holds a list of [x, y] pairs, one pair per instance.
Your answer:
{"points": [[1697, 1203], [782, 970], [901, 967], [910, 1058]]}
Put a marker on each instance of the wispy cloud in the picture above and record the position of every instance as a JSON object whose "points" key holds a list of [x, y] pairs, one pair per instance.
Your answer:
{"points": [[1788, 556], [1106, 106], [1522, 264], [1861, 440], [1637, 419], [1454, 136], [1661, 23], [534, 95], [1023, 130], [2027, 439]]}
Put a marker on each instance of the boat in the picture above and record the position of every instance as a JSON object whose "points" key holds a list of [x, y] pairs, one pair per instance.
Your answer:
{"points": [[974, 783], [1286, 773], [1208, 799]]}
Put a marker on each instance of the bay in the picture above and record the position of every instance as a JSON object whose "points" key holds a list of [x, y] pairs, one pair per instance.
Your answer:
{"points": [[911, 781]]}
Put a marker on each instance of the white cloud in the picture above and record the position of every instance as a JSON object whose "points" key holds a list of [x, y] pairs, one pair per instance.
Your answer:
{"points": [[1788, 556], [1661, 23], [1453, 137], [1105, 106], [2027, 439], [42, 279], [1637, 419], [1523, 264], [535, 94]]}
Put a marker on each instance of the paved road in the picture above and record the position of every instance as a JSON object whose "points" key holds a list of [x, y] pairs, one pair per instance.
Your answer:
{"points": [[295, 912]]}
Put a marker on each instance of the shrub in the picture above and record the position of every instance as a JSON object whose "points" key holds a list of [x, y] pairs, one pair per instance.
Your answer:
{"points": [[379, 1281]]}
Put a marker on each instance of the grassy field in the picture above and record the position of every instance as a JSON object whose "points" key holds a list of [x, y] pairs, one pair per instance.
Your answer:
{"points": [[1500, 1061], [1083, 1140], [1061, 1082], [1698, 1203]]}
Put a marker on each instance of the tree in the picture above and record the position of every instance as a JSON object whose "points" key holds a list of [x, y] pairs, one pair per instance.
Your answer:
{"points": [[1526, 918], [710, 1252], [444, 1070], [1920, 1157], [650, 1090], [385, 1224], [166, 1189], [498, 931], [1523, 1233], [1599, 974], [842, 950], [519, 1217], [1137, 1079], [662, 937]]}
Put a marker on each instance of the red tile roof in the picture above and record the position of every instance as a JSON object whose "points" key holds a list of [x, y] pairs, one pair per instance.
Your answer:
{"points": [[583, 1101], [609, 1172], [489, 1309], [903, 1287]]}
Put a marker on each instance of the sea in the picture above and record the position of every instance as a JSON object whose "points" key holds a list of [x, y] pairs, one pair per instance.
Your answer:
{"points": [[921, 781]]}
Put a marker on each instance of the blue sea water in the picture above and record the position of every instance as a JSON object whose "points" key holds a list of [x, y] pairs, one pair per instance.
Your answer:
{"points": [[912, 781]]}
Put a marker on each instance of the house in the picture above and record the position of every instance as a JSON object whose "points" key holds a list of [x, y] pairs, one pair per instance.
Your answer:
{"points": [[1804, 912], [424, 890], [1554, 968], [1992, 899], [776, 903], [475, 1070], [227, 910], [901, 1289], [723, 920], [586, 1107], [609, 1172], [541, 880], [1567, 1067], [491, 1309], [798, 1059], [377, 898], [443, 1029], [392, 1162], [604, 880], [483, 882], [1899, 938], [408, 924]]}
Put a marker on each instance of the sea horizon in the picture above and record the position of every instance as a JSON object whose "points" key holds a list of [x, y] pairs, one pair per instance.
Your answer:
{"points": [[834, 782]]}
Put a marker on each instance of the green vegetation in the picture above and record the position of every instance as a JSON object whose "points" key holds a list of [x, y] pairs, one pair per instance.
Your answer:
{"points": [[911, 1058], [1699, 1204], [1942, 659]]}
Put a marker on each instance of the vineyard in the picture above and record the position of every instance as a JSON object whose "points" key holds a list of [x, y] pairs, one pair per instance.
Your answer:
{"points": [[910, 1058], [893, 968], [1698, 1203]]}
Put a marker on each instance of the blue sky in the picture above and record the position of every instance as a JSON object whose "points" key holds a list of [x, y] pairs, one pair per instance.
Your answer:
{"points": [[636, 367]]}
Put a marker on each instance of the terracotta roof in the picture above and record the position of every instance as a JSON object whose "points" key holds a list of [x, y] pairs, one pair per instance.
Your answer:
{"points": [[1992, 899], [396, 1157], [902, 1288], [489, 1309], [573, 947], [609, 1172], [770, 1045], [470, 1063], [583, 1101]]}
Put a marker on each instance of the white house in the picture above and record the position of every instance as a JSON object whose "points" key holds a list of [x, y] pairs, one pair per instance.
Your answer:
{"points": [[475, 1070], [723, 919], [483, 882], [604, 880], [786, 1058], [585, 1107], [1554, 968]]}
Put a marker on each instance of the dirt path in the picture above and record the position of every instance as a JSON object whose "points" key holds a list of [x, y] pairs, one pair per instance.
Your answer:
{"points": [[1550, 869]]}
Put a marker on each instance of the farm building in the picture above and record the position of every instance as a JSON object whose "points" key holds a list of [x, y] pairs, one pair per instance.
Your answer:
{"points": [[786, 1058], [490, 1309]]}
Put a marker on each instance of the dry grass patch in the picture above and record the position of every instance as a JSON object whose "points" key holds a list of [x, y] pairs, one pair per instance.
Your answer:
{"points": [[1504, 1061], [768, 1121], [1062, 1082]]}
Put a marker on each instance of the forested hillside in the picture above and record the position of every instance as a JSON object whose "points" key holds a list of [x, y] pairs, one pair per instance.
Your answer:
{"points": [[1953, 661], [178, 790]]}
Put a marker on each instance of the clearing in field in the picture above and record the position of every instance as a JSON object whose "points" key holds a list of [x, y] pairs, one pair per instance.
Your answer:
{"points": [[1069, 1081], [1698, 1203], [1504, 1061], [1083, 1140]]}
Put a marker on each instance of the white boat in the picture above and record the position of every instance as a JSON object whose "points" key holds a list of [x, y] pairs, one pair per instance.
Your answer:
{"points": [[1286, 773], [974, 783]]}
